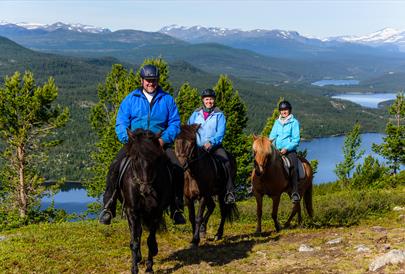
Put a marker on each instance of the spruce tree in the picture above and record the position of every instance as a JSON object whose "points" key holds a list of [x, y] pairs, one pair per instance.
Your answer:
{"points": [[351, 154], [235, 141], [28, 119], [187, 101], [393, 146], [270, 121]]}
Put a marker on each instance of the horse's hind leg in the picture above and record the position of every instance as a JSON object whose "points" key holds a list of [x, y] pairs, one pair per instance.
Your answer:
{"points": [[210, 209], [259, 207], [295, 209], [135, 228], [276, 202], [152, 248]]}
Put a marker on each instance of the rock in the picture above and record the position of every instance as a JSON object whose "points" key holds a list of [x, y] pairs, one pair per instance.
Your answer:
{"points": [[392, 257], [362, 248], [401, 217], [305, 248], [335, 241], [398, 208], [378, 229], [2, 238], [386, 247]]}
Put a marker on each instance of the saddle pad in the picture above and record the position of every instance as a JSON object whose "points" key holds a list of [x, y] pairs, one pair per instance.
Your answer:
{"points": [[287, 165]]}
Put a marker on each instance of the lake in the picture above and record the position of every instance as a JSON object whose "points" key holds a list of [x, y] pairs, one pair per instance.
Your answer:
{"points": [[327, 150], [331, 82], [370, 100]]}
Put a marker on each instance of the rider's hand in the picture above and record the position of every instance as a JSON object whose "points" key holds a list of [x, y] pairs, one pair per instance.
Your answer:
{"points": [[283, 151], [162, 143], [207, 146]]}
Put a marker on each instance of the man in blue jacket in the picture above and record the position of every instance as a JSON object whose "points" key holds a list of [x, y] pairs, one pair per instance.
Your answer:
{"points": [[148, 107], [285, 135], [211, 134]]}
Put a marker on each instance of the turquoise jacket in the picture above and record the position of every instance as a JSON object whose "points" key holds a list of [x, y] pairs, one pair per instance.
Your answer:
{"points": [[161, 115], [286, 135], [211, 130]]}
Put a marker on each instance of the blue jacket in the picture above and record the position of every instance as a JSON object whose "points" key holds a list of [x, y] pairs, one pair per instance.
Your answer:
{"points": [[286, 135], [136, 112], [211, 130]]}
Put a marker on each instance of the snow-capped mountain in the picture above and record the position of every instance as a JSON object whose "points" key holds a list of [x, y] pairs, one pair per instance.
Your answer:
{"points": [[200, 33], [52, 27], [387, 36]]}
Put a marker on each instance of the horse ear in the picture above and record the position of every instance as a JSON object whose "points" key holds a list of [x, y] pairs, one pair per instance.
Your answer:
{"points": [[254, 137], [196, 126], [130, 134]]}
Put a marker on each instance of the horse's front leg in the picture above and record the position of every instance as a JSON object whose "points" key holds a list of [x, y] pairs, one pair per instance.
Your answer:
{"points": [[135, 228], [191, 213], [259, 208], [152, 246], [276, 202], [210, 209], [198, 220]]}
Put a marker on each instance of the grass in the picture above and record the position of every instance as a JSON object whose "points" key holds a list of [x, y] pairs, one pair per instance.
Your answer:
{"points": [[87, 247]]}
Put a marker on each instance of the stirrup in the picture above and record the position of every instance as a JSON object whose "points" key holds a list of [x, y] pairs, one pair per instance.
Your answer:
{"points": [[105, 216], [295, 197], [229, 198]]}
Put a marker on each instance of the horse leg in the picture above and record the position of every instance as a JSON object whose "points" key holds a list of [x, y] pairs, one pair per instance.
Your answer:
{"points": [[296, 208], [222, 207], [152, 247], [135, 228], [276, 202], [210, 209], [198, 220], [191, 214], [259, 206]]}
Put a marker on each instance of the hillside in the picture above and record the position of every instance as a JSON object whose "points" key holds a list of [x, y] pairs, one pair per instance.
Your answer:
{"points": [[77, 79], [89, 247]]}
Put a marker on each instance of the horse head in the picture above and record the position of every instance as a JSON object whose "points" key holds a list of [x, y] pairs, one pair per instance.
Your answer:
{"points": [[185, 143], [143, 149], [262, 150]]}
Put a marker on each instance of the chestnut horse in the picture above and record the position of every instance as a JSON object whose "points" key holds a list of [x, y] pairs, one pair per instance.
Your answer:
{"points": [[203, 179], [269, 177]]}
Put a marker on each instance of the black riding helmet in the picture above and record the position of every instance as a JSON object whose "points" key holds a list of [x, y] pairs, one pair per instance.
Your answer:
{"points": [[208, 93], [284, 105], [149, 72]]}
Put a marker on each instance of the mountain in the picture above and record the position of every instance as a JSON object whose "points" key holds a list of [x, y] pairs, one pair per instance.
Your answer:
{"points": [[387, 37], [42, 28], [274, 43]]}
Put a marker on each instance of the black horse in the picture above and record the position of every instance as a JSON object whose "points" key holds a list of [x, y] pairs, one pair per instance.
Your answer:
{"points": [[145, 190], [203, 180]]}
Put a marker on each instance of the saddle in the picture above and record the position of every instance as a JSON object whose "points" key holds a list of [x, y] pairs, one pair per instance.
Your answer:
{"points": [[287, 167]]}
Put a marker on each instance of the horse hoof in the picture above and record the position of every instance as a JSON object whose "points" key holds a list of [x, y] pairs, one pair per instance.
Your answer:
{"points": [[193, 246], [258, 233], [217, 238]]}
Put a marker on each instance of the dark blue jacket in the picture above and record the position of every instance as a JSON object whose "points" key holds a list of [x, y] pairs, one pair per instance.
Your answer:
{"points": [[160, 115]]}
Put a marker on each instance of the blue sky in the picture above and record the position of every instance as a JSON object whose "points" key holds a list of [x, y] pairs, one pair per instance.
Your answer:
{"points": [[314, 18]]}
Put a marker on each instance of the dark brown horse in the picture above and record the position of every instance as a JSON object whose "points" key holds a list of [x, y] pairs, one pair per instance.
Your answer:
{"points": [[270, 178], [203, 179], [145, 191]]}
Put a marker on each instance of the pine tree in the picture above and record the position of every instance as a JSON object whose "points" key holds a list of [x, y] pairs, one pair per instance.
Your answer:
{"points": [[393, 146], [235, 141], [351, 154], [187, 101], [270, 121], [28, 119], [163, 67]]}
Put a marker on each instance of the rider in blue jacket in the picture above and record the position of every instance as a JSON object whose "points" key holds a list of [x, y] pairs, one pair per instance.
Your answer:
{"points": [[285, 135], [211, 134], [147, 107]]}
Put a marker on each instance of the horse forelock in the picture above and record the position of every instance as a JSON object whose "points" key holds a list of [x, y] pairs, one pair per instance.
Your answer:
{"points": [[144, 144], [188, 132]]}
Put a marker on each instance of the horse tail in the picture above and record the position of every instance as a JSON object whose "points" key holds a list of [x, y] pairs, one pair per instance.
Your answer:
{"points": [[231, 212], [308, 200]]}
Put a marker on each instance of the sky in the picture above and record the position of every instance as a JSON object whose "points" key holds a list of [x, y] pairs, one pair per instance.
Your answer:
{"points": [[311, 18]]}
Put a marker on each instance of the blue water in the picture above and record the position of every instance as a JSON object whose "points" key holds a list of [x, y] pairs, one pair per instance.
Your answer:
{"points": [[370, 100], [328, 152], [322, 83]]}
